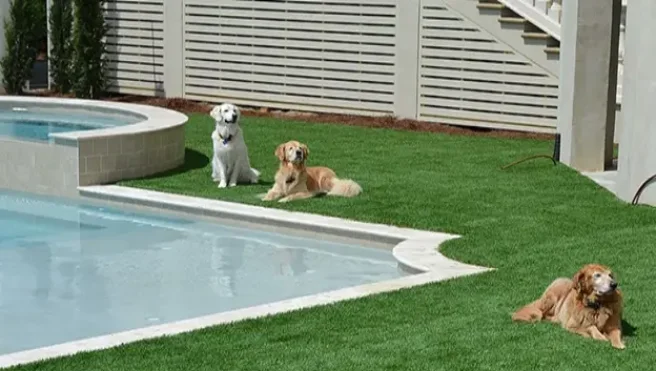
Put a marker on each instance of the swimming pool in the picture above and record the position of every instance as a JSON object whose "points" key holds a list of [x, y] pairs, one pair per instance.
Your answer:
{"points": [[71, 271], [37, 122]]}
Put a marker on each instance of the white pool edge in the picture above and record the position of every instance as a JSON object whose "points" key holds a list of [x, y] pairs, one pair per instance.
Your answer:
{"points": [[415, 250], [154, 118]]}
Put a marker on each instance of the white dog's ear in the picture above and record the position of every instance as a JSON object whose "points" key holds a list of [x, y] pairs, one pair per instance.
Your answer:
{"points": [[216, 113]]}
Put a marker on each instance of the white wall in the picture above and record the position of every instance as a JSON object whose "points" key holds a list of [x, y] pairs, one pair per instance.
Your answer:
{"points": [[637, 160]]}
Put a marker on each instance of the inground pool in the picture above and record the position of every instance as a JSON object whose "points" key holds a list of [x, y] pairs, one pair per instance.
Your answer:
{"points": [[37, 122], [75, 270]]}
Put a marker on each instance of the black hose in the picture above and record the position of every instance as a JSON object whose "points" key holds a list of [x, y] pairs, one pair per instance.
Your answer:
{"points": [[556, 151], [642, 188], [529, 158], [555, 158]]}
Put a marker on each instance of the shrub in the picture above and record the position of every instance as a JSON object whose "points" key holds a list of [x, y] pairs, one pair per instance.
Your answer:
{"points": [[89, 64], [61, 53], [21, 33], [40, 9]]}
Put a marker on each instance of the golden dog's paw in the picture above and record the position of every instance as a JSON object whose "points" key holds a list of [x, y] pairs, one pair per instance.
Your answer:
{"points": [[619, 346], [265, 197]]}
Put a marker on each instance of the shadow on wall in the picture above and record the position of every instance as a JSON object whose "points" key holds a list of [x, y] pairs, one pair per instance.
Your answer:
{"points": [[39, 78], [193, 160]]}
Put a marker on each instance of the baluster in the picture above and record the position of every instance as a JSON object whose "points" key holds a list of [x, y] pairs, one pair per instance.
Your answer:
{"points": [[622, 32], [556, 10], [543, 6], [620, 64]]}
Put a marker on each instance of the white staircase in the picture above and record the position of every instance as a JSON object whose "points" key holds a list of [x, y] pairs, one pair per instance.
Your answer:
{"points": [[538, 22]]}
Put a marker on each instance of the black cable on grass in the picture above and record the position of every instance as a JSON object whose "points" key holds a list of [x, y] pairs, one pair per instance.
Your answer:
{"points": [[555, 157], [642, 188]]}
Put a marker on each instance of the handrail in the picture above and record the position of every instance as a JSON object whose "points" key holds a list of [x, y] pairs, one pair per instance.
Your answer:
{"points": [[544, 14]]}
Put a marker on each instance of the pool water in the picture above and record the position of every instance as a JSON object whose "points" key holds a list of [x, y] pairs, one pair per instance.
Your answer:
{"points": [[38, 130], [70, 271], [37, 123]]}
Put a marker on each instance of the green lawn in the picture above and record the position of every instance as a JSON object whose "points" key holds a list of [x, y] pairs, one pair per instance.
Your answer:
{"points": [[533, 222]]}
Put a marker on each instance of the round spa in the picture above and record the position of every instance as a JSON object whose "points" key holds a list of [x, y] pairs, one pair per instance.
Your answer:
{"points": [[52, 145]]}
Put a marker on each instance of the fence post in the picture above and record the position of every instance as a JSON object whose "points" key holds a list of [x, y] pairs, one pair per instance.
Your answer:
{"points": [[174, 48], [406, 90], [588, 82]]}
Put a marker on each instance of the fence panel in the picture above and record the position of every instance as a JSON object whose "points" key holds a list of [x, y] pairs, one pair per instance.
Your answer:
{"points": [[468, 77], [135, 46], [332, 55], [413, 58]]}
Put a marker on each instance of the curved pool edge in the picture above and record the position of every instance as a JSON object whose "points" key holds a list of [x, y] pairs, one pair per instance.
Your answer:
{"points": [[99, 156], [154, 118], [415, 250]]}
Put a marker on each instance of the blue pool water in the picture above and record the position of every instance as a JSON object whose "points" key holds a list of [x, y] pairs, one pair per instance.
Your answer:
{"points": [[38, 122], [70, 271], [38, 130]]}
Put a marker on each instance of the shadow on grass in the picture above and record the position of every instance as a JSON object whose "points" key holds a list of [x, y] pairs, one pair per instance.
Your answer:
{"points": [[628, 329], [193, 160], [267, 183]]}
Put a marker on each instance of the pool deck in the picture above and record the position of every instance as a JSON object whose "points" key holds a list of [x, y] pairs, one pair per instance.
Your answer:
{"points": [[606, 179], [415, 250]]}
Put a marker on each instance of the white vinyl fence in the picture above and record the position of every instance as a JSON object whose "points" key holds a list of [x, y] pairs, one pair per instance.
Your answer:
{"points": [[410, 58]]}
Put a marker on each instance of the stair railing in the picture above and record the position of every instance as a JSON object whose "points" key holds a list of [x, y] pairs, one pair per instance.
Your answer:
{"points": [[547, 14]]}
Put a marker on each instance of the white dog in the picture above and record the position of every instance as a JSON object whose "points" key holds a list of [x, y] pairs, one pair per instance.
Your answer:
{"points": [[230, 164]]}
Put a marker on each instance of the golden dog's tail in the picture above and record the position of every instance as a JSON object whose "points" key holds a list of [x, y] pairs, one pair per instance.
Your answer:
{"points": [[344, 188], [529, 313]]}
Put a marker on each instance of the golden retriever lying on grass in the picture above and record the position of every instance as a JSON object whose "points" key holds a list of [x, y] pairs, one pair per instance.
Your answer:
{"points": [[295, 181], [589, 305]]}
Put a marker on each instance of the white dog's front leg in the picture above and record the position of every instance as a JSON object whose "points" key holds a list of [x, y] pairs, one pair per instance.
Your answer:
{"points": [[221, 172], [234, 177], [215, 172]]}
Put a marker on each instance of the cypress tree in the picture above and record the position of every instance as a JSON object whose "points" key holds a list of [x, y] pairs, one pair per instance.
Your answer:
{"points": [[61, 53], [20, 34], [89, 63]]}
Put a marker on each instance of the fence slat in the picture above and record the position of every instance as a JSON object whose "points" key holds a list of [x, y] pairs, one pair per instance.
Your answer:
{"points": [[135, 41]]}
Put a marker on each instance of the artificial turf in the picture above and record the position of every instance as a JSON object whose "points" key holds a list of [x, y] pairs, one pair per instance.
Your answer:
{"points": [[533, 222]]}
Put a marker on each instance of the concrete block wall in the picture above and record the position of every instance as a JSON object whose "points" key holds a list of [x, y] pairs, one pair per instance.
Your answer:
{"points": [[108, 159], [37, 167]]}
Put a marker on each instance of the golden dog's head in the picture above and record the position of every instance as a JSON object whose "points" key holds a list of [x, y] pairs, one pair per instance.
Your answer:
{"points": [[595, 280], [292, 152]]}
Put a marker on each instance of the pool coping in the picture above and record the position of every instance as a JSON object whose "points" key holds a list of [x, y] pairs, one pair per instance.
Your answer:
{"points": [[415, 250], [154, 118]]}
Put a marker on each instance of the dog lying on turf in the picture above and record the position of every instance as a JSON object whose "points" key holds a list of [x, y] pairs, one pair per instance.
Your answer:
{"points": [[589, 305], [295, 181]]}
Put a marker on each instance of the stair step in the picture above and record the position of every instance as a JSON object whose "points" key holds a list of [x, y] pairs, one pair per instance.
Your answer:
{"points": [[552, 50], [536, 35], [513, 20], [490, 6]]}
